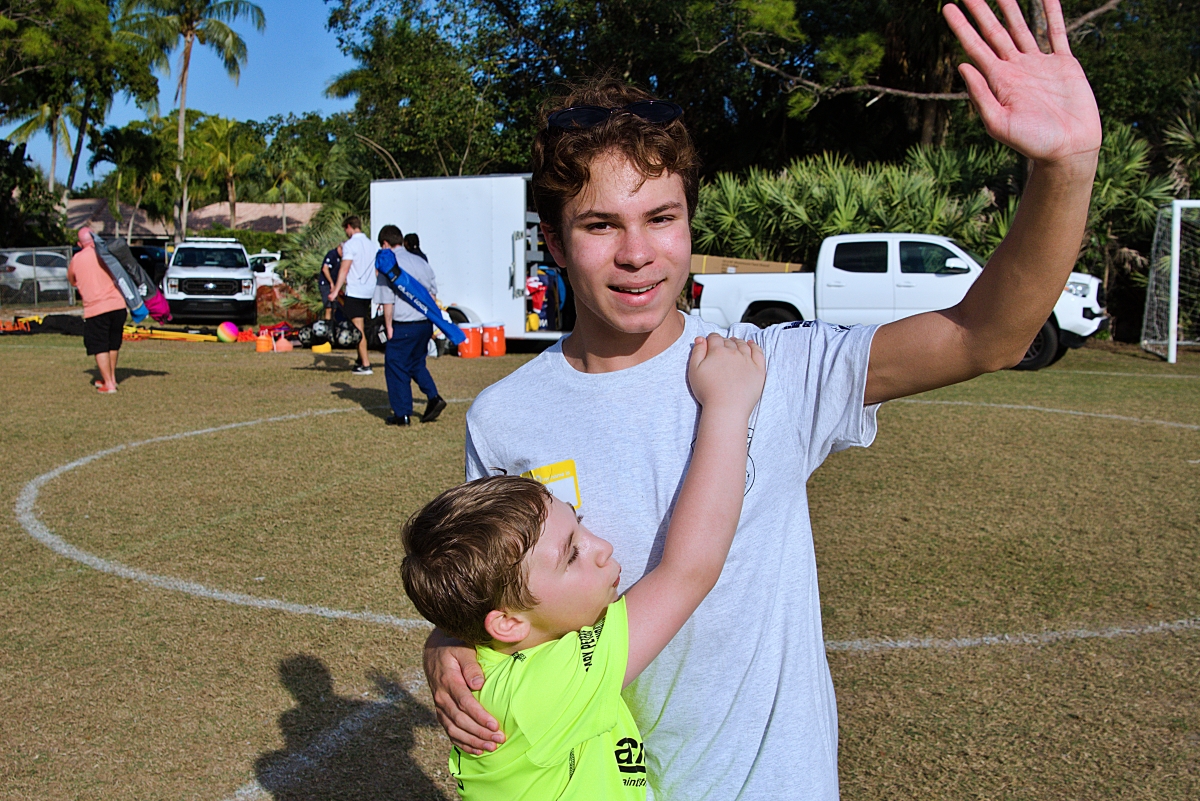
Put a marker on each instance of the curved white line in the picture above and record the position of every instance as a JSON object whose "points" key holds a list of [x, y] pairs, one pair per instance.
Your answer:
{"points": [[38, 530], [29, 520]]}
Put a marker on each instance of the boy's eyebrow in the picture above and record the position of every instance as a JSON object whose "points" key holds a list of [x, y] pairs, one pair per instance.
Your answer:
{"points": [[604, 216]]}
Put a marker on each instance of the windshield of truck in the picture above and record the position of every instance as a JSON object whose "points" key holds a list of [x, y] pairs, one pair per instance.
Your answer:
{"points": [[980, 260], [209, 257]]}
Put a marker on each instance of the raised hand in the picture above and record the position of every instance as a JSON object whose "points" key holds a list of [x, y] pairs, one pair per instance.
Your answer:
{"points": [[1036, 103], [727, 374]]}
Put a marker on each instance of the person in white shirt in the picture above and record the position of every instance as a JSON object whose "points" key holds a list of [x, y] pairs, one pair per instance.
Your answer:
{"points": [[408, 332], [740, 705], [358, 276]]}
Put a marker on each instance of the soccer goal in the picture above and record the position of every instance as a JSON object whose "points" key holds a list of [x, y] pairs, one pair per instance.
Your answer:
{"points": [[1173, 286]]}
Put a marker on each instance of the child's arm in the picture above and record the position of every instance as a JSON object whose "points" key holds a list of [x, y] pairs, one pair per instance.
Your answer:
{"points": [[726, 376]]}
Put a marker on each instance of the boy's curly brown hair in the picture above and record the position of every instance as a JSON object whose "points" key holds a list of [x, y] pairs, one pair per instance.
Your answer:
{"points": [[562, 159], [465, 553]]}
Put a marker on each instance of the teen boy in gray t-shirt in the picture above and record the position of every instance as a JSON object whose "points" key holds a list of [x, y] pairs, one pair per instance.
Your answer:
{"points": [[615, 180]]}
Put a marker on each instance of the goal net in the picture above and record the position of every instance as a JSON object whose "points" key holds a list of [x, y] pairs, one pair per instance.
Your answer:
{"points": [[1172, 315]]}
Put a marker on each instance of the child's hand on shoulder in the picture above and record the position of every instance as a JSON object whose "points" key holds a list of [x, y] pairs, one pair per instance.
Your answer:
{"points": [[727, 372]]}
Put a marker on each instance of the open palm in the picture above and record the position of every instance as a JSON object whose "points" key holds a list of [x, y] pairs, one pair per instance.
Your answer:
{"points": [[1036, 103]]}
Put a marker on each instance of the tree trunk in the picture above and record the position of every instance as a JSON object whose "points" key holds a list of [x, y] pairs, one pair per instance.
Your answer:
{"points": [[83, 126], [53, 151], [181, 208], [231, 192], [136, 207], [283, 202], [1041, 30], [181, 231]]}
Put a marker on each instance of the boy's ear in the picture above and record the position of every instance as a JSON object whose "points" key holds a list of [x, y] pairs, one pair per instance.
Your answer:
{"points": [[506, 627], [554, 244]]}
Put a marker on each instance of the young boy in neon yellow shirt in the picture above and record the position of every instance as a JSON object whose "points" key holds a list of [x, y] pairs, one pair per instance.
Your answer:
{"points": [[501, 563]]}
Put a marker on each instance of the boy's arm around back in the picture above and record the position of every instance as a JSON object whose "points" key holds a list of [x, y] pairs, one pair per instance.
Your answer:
{"points": [[726, 376]]}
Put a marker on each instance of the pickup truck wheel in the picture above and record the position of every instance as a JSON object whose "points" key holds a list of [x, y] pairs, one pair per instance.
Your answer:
{"points": [[771, 316], [1042, 351]]}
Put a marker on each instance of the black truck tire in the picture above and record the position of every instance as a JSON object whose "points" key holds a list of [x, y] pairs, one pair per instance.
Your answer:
{"points": [[1043, 350]]}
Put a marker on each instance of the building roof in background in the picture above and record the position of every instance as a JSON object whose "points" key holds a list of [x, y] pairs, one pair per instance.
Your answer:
{"points": [[267, 217], [95, 214]]}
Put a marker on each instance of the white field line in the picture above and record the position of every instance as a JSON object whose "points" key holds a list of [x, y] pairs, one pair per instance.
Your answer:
{"points": [[29, 520], [38, 530], [1121, 375], [1042, 638], [1022, 408], [291, 771]]}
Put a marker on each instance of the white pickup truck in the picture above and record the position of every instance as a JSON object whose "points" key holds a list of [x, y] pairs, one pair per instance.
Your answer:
{"points": [[878, 278]]}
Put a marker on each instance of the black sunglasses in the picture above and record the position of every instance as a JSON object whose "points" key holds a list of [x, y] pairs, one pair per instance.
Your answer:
{"points": [[580, 117]]}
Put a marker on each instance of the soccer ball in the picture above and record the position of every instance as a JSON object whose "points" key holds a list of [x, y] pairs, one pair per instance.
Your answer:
{"points": [[305, 336], [320, 331], [346, 336]]}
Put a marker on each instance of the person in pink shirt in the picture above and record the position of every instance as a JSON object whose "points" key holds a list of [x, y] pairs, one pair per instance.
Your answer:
{"points": [[103, 310]]}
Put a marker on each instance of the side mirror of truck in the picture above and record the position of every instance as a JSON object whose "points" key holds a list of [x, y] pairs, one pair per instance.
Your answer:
{"points": [[954, 266]]}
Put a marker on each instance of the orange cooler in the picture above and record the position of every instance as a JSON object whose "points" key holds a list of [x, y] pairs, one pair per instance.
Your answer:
{"points": [[493, 339], [472, 347]]}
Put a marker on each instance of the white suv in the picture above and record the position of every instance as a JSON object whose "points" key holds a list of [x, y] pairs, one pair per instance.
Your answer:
{"points": [[211, 279]]}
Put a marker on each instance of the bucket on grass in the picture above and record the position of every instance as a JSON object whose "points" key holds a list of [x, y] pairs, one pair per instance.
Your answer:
{"points": [[472, 346], [493, 339]]}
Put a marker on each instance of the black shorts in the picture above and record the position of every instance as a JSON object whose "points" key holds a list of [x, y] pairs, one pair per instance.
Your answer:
{"points": [[326, 301], [356, 307], [102, 333]]}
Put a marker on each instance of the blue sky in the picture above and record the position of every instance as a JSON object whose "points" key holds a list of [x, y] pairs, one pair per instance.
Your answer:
{"points": [[287, 69]]}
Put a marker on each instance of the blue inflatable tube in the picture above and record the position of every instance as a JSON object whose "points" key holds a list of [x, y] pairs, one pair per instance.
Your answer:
{"points": [[417, 295]]}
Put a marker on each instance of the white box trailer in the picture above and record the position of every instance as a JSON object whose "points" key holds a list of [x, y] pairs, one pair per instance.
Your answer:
{"points": [[481, 238]]}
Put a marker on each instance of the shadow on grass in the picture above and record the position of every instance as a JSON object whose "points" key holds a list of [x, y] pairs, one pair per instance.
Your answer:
{"points": [[126, 373], [331, 362], [370, 399], [337, 747]]}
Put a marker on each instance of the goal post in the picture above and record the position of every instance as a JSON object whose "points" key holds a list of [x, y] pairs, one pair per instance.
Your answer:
{"points": [[1172, 316]]}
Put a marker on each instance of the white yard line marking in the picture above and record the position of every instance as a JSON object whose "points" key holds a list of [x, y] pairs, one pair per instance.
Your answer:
{"points": [[33, 525], [1023, 408], [37, 529], [291, 771], [1041, 638]]}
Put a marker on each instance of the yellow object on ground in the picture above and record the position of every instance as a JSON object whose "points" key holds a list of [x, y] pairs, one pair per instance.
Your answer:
{"points": [[325, 348]]}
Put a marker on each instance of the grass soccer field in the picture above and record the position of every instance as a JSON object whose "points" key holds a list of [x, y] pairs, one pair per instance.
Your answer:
{"points": [[1010, 579]]}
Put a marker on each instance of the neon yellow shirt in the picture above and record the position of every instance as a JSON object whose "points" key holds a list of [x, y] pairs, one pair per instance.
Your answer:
{"points": [[568, 732]]}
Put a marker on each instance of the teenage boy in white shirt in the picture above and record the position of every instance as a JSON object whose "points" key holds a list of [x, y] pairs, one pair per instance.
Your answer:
{"points": [[740, 705]]}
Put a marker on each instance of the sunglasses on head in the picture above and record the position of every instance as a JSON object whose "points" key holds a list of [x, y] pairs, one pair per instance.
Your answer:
{"points": [[580, 117]]}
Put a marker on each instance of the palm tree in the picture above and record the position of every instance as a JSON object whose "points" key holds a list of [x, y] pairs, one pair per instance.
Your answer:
{"points": [[289, 175], [137, 155], [229, 152], [164, 23], [51, 118]]}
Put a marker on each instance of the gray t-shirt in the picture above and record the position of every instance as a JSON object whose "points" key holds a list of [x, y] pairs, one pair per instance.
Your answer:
{"points": [[418, 268], [740, 704]]}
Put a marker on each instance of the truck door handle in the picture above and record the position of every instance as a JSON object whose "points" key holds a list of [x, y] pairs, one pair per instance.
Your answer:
{"points": [[836, 284], [907, 285]]}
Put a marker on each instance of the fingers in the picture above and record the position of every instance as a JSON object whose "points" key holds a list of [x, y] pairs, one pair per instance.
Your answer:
{"points": [[699, 351], [976, 49], [1055, 27], [990, 109], [1018, 29], [989, 27]]}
